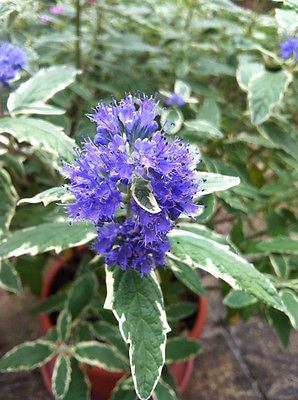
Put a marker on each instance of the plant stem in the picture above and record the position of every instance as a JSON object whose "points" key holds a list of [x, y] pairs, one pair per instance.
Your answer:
{"points": [[27, 154], [78, 34], [128, 198], [74, 111]]}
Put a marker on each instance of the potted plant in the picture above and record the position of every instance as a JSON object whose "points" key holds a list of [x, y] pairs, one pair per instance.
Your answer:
{"points": [[134, 192], [103, 381]]}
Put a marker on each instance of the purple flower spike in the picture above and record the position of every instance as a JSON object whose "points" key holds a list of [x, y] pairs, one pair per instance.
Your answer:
{"points": [[129, 148], [126, 118], [12, 59], [175, 99]]}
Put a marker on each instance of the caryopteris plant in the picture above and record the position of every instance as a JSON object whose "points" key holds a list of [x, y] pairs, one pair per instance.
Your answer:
{"points": [[134, 193], [135, 190]]}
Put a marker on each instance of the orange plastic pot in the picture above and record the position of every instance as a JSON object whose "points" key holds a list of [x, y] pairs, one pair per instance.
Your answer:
{"points": [[103, 381]]}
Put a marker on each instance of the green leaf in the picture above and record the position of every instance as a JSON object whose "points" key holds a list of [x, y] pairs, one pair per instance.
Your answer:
{"points": [[206, 213], [53, 303], [5, 10], [188, 275], [110, 334], [12, 163], [204, 231], [280, 265], [293, 284], [218, 259], [247, 70], [215, 182], [291, 3], [208, 66], [252, 139], [44, 109], [40, 88], [168, 378], [182, 348], [8, 199], [137, 304], [279, 138], [50, 195], [124, 390], [44, 237], [9, 278], [265, 91], [61, 376], [286, 19], [64, 326], [99, 354], [281, 324], [204, 128], [210, 112], [51, 335], [30, 270], [276, 225], [172, 116], [182, 310], [182, 89], [238, 299], [82, 292], [163, 391], [143, 195], [27, 356], [290, 301], [79, 385], [40, 134], [278, 244], [84, 332]]}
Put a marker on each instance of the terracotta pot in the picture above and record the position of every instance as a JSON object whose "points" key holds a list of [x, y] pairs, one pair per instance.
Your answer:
{"points": [[103, 381]]}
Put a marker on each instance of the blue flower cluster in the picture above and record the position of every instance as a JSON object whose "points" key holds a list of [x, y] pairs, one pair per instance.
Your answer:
{"points": [[175, 99], [125, 119], [289, 47], [129, 146], [12, 59], [124, 245]]}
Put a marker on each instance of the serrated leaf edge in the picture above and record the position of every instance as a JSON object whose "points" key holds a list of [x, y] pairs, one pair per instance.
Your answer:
{"points": [[41, 73], [121, 319], [272, 106], [209, 264]]}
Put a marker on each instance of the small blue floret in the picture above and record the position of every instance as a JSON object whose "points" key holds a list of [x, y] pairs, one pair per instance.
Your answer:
{"points": [[12, 59], [289, 47]]}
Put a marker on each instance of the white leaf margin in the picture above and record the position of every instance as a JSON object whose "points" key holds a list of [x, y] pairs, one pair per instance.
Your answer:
{"points": [[289, 79], [40, 74], [108, 305]]}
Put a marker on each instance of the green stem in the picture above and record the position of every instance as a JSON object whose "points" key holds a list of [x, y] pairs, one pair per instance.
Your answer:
{"points": [[76, 101], [27, 154], [78, 34], [128, 198]]}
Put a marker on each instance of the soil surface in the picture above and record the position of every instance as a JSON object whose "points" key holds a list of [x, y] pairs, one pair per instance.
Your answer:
{"points": [[240, 361]]}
